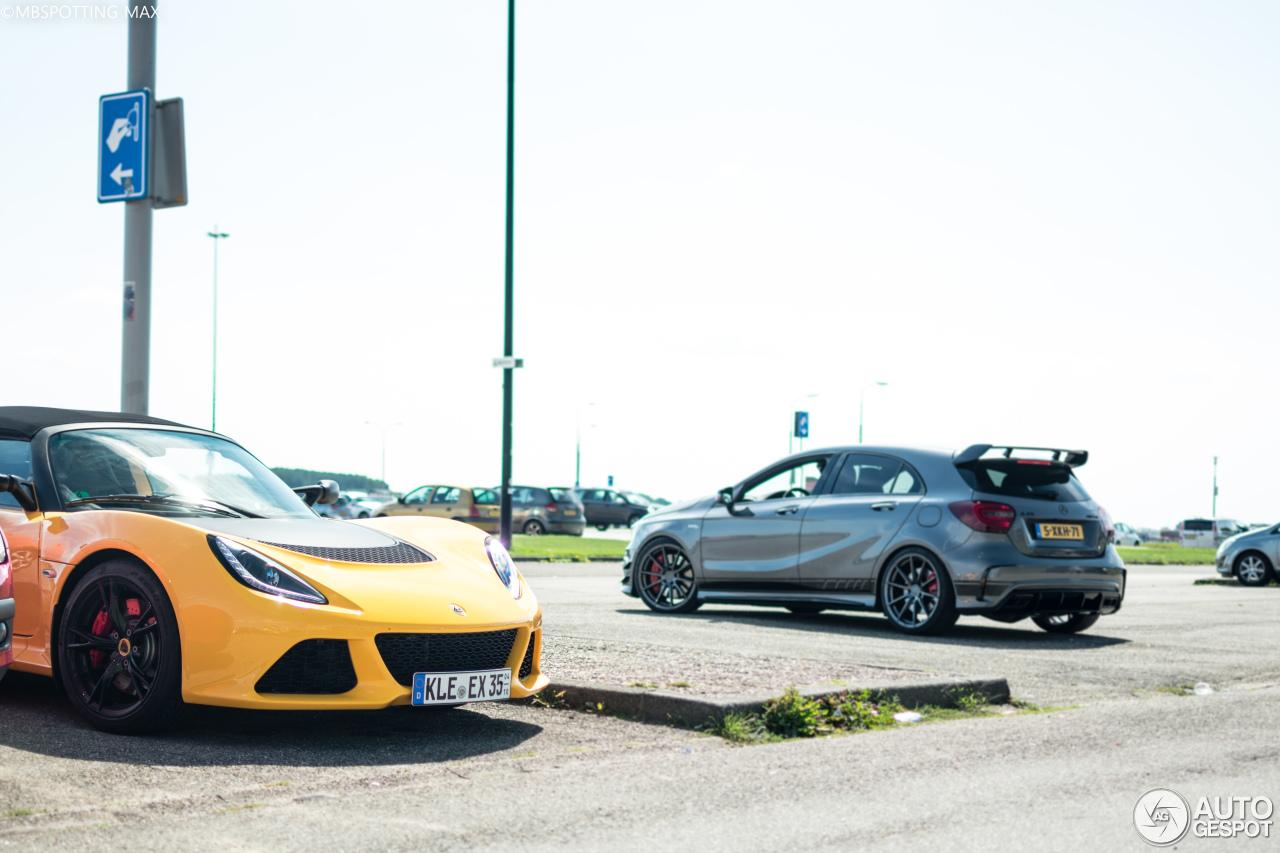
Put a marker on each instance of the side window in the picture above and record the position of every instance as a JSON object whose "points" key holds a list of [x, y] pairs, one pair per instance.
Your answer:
{"points": [[866, 474], [540, 496], [418, 495], [445, 495], [523, 495], [485, 496], [617, 498], [794, 482], [15, 459]]}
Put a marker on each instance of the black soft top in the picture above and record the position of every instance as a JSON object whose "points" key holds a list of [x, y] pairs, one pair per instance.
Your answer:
{"points": [[26, 421]]}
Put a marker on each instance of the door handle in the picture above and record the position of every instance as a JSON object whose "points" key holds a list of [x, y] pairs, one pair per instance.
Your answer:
{"points": [[789, 510], [883, 505]]}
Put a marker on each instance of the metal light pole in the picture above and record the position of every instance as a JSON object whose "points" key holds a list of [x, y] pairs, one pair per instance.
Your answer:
{"points": [[1215, 488], [384, 427], [861, 399], [216, 235], [508, 373], [577, 455], [135, 362]]}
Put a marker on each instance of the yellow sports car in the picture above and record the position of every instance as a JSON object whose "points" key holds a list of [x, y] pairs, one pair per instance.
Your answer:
{"points": [[156, 565]]}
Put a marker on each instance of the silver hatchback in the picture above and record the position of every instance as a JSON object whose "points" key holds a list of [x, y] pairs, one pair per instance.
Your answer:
{"points": [[923, 535], [1250, 557]]}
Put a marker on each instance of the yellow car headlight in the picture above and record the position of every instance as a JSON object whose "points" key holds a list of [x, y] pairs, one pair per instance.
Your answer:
{"points": [[260, 572]]}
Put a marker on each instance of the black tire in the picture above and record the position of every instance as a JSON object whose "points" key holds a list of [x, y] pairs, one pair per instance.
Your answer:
{"points": [[382, 515], [121, 669], [631, 522], [602, 527], [665, 579], [805, 609], [533, 527], [1253, 569], [364, 514], [1066, 623], [916, 593]]}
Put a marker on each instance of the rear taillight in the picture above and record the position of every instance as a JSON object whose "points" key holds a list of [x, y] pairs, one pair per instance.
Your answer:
{"points": [[984, 516], [550, 507], [475, 511], [1107, 524]]}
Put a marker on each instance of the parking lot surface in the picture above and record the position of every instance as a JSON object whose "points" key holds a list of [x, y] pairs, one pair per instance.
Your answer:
{"points": [[490, 777]]}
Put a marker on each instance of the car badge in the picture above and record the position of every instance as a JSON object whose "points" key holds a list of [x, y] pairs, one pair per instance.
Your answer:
{"points": [[456, 609], [1062, 508]]}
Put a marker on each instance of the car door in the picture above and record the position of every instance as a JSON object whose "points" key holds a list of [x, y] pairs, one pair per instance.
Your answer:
{"points": [[755, 543], [613, 509], [847, 527], [414, 503], [594, 506], [444, 503]]}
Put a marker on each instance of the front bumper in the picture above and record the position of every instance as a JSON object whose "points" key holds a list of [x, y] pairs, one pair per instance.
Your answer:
{"points": [[1017, 591]]}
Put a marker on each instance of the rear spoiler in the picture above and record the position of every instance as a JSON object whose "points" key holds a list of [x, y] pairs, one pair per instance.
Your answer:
{"points": [[967, 457]]}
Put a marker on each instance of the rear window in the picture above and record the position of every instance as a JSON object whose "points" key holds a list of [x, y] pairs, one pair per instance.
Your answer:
{"points": [[1020, 479], [484, 496], [1198, 524], [563, 496], [15, 459]]}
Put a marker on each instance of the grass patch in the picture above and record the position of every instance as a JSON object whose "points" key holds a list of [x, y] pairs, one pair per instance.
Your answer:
{"points": [[644, 684], [566, 548], [19, 813], [680, 683], [1167, 554]]}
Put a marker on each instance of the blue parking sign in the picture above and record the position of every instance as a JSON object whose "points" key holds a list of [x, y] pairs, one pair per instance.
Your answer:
{"points": [[124, 143], [802, 424]]}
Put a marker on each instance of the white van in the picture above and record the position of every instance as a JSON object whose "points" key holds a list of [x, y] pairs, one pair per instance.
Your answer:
{"points": [[1207, 532]]}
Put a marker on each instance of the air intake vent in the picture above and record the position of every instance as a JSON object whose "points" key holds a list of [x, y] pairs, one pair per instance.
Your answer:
{"points": [[313, 667], [405, 654], [526, 666], [400, 553]]}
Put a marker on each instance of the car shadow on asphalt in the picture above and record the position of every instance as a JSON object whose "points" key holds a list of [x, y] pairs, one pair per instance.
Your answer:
{"points": [[38, 718], [969, 631]]}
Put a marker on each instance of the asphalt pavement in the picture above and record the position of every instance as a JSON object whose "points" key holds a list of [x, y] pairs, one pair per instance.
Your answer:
{"points": [[517, 777]]}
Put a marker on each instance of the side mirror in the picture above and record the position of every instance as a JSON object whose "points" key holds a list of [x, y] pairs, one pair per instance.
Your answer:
{"points": [[324, 492], [725, 498], [400, 499], [24, 492]]}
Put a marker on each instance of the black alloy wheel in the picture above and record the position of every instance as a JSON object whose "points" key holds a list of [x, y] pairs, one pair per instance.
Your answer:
{"points": [[533, 527], [1252, 569], [119, 654], [664, 576], [916, 593], [1066, 623]]}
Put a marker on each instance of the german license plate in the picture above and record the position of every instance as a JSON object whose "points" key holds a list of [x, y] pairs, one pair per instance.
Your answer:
{"points": [[570, 512], [1060, 531], [449, 688]]}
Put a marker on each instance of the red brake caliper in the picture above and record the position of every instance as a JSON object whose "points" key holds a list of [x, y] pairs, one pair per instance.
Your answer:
{"points": [[655, 575], [931, 585], [100, 625]]}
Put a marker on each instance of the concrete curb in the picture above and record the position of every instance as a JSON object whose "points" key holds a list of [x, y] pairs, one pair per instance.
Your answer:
{"points": [[567, 560], [667, 707]]}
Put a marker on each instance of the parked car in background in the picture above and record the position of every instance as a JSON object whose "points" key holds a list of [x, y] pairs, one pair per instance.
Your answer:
{"points": [[344, 507], [923, 535], [1251, 557], [1207, 532], [1126, 536], [536, 510], [6, 607], [474, 506], [606, 508], [362, 505]]}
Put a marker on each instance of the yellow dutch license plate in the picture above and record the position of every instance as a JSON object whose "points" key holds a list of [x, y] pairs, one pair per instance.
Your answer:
{"points": [[1060, 531], [570, 512]]}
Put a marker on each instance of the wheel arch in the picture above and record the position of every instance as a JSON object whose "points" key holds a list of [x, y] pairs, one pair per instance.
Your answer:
{"points": [[657, 537], [1235, 562], [73, 579]]}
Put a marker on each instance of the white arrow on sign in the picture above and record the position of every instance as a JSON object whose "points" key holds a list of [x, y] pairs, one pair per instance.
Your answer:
{"points": [[118, 174]]}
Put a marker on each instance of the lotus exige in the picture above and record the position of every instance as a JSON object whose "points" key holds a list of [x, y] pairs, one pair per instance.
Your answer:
{"points": [[156, 564]]}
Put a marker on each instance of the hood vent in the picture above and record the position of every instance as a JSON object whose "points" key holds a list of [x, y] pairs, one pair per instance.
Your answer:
{"points": [[401, 553]]}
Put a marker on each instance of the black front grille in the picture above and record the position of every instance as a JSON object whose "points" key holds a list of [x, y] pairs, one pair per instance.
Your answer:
{"points": [[399, 553], [526, 665], [405, 654], [311, 667], [1060, 601]]}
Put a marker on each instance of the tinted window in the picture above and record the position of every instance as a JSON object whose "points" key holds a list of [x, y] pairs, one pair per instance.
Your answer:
{"points": [[522, 495], [866, 474], [485, 496], [15, 459], [564, 496], [1020, 478], [1197, 524], [446, 496]]}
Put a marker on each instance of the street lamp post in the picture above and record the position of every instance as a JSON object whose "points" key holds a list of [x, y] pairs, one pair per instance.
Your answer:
{"points": [[213, 416], [861, 399], [577, 455], [1215, 487], [508, 375], [383, 427]]}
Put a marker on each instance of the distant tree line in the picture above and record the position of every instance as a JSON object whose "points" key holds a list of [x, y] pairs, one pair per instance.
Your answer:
{"points": [[295, 477]]}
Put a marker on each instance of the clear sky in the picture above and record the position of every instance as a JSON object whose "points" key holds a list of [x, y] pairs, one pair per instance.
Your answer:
{"points": [[1041, 223]]}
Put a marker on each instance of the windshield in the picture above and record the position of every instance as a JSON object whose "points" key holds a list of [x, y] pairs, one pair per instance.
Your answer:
{"points": [[157, 471]]}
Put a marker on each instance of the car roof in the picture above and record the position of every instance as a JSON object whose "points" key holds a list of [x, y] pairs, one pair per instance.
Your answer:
{"points": [[26, 421]]}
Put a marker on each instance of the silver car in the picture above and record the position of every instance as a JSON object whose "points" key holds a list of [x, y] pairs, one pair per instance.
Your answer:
{"points": [[1251, 557], [923, 535]]}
